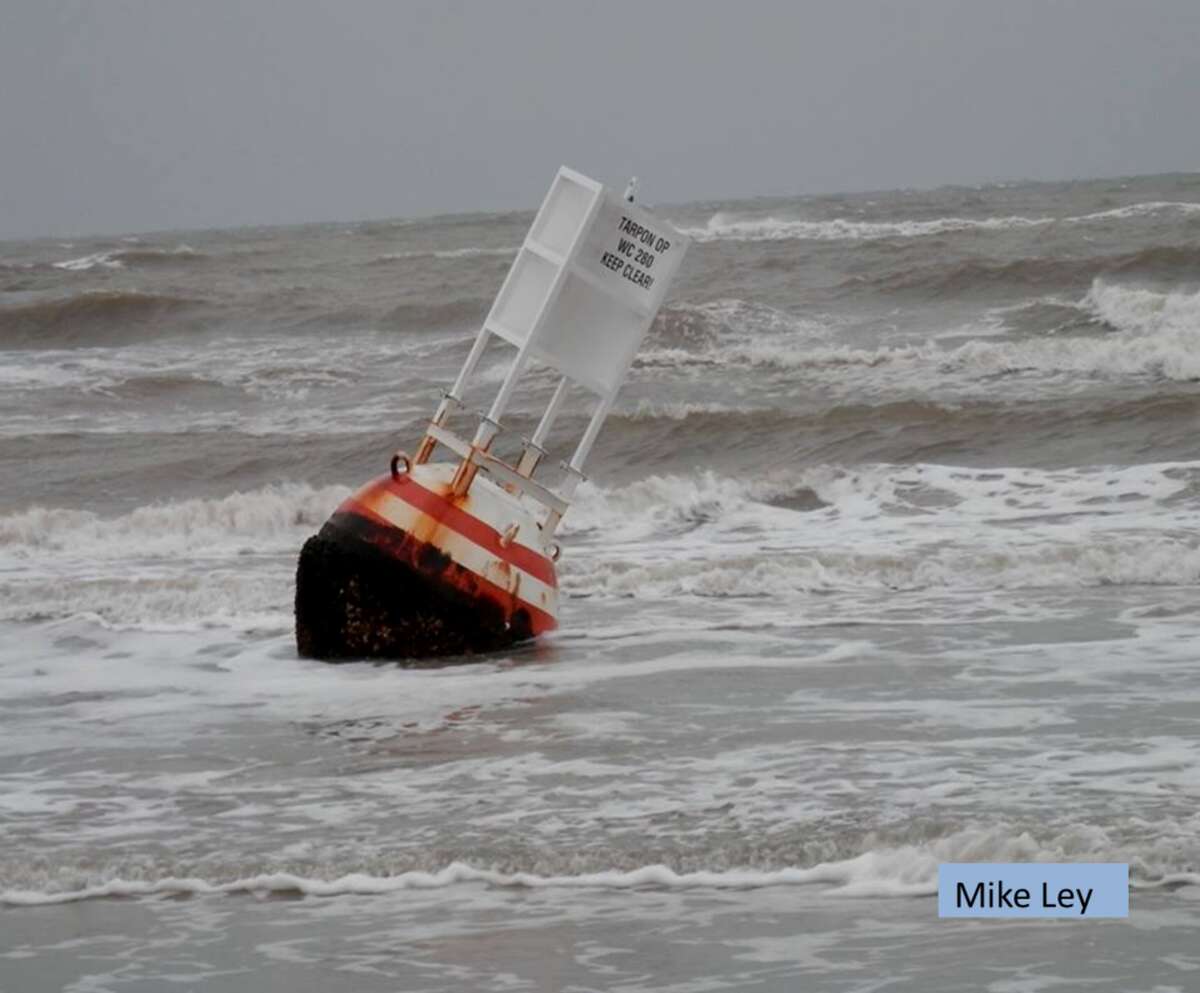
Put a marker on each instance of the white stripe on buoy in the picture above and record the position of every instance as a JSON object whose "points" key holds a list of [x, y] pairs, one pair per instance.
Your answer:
{"points": [[525, 586]]}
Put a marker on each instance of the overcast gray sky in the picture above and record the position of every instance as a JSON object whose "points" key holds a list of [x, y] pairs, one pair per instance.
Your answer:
{"points": [[125, 115]]}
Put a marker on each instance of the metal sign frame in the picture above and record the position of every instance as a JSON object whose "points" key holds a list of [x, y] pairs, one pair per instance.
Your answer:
{"points": [[579, 297]]}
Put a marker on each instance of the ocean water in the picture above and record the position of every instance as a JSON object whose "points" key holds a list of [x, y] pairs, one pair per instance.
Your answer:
{"points": [[887, 557]]}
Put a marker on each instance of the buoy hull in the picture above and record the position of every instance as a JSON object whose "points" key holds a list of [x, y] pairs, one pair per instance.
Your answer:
{"points": [[405, 570]]}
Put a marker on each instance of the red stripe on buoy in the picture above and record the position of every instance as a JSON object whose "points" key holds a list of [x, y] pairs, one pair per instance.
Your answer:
{"points": [[540, 620], [472, 528]]}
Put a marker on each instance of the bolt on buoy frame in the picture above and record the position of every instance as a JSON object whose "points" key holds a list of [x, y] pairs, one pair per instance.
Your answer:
{"points": [[579, 298]]}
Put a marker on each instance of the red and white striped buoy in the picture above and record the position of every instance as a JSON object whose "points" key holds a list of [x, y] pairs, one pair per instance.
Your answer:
{"points": [[442, 558], [485, 543]]}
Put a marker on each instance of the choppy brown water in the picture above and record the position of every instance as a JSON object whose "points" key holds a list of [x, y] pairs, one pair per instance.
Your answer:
{"points": [[888, 557]]}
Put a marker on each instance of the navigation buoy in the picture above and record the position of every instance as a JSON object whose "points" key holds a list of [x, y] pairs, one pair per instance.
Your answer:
{"points": [[454, 557]]}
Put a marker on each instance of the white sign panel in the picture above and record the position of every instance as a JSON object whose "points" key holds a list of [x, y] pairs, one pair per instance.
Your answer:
{"points": [[631, 252], [588, 281]]}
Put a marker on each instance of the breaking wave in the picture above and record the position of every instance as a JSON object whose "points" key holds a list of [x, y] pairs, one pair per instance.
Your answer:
{"points": [[90, 317], [427, 316], [879, 869], [122, 257], [723, 226], [1174, 263], [1157, 335], [185, 527], [233, 595], [470, 252], [898, 528], [1130, 561], [1137, 311], [164, 566], [230, 557], [992, 495], [689, 325]]}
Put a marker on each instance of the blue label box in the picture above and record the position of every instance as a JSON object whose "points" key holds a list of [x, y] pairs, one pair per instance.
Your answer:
{"points": [[1080, 890]]}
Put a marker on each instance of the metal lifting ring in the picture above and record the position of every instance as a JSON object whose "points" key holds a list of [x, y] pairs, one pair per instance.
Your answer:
{"points": [[554, 551], [398, 460]]}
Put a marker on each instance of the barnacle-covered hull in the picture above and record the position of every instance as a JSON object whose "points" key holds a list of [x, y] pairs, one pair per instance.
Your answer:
{"points": [[404, 569]]}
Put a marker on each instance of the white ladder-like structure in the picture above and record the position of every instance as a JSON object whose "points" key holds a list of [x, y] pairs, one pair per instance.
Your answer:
{"points": [[579, 298]]}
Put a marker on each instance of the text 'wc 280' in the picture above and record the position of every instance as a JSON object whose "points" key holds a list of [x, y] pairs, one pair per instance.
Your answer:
{"points": [[447, 557]]}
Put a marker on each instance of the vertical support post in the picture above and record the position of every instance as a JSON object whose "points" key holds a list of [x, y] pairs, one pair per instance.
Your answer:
{"points": [[489, 426], [593, 429], [574, 468], [534, 451], [454, 396]]}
